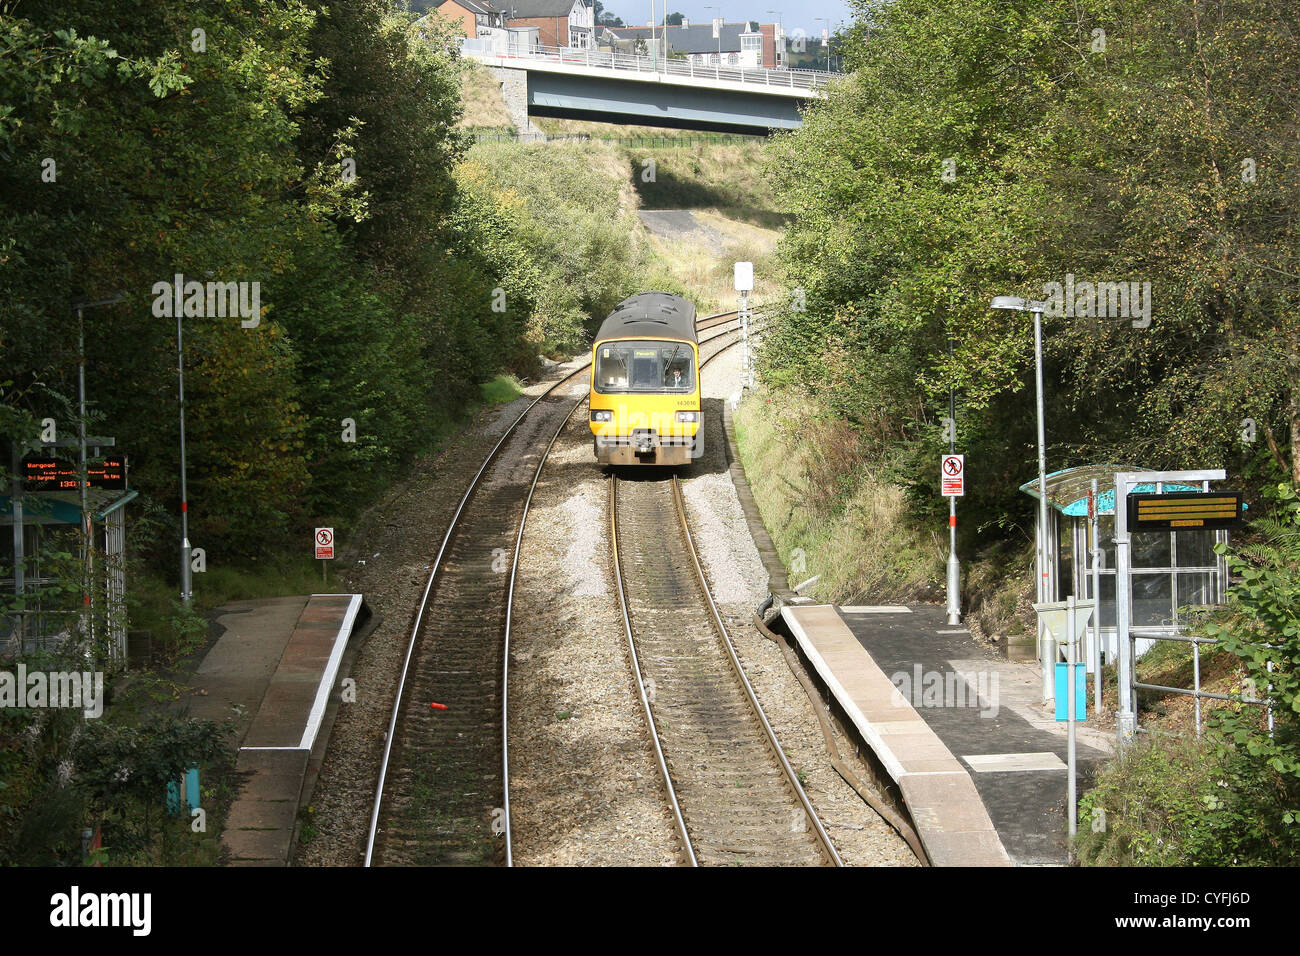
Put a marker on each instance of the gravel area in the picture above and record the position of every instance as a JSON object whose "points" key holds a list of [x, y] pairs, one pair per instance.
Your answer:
{"points": [[390, 550], [739, 583], [584, 785]]}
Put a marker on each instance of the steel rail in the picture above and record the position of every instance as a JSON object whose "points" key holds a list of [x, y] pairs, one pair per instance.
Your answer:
{"points": [[756, 708], [822, 837], [667, 778], [433, 575]]}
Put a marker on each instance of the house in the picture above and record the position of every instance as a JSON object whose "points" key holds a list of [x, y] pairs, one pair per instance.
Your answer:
{"points": [[746, 45], [475, 18], [567, 23]]}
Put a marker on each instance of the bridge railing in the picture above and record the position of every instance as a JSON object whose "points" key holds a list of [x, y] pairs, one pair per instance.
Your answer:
{"points": [[632, 62]]}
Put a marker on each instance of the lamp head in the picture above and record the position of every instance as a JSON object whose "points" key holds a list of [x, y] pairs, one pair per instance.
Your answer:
{"points": [[1015, 304]]}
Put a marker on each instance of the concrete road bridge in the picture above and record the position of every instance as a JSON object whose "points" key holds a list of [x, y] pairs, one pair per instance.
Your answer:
{"points": [[637, 90]]}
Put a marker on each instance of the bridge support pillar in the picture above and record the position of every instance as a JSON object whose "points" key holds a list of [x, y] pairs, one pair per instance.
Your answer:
{"points": [[514, 90]]}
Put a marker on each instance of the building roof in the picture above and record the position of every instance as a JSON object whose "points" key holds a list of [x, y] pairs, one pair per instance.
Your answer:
{"points": [[650, 315], [64, 507], [474, 6], [697, 38], [1067, 490], [532, 9]]}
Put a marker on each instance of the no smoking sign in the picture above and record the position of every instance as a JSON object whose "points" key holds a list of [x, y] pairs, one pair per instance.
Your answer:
{"points": [[324, 544], [952, 476]]}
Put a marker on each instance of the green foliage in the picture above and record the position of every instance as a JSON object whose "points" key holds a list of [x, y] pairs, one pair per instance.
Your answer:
{"points": [[222, 158], [1186, 802], [557, 222], [980, 148], [1261, 626]]}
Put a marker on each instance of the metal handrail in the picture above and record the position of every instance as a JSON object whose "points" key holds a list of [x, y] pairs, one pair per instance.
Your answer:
{"points": [[1196, 692], [794, 79]]}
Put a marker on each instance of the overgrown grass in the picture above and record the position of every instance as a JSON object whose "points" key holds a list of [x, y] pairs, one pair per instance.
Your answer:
{"points": [[703, 261], [501, 390], [828, 515], [723, 177], [480, 94], [1179, 801]]}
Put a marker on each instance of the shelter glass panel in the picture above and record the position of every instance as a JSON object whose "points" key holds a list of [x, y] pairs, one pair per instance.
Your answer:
{"points": [[1196, 549], [1152, 599], [1106, 532], [1065, 558], [1195, 587], [1152, 549]]}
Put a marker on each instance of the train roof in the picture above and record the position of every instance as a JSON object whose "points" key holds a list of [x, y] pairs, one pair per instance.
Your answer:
{"points": [[650, 315]]}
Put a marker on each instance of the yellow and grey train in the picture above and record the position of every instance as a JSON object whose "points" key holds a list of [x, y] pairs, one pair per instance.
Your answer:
{"points": [[645, 383]]}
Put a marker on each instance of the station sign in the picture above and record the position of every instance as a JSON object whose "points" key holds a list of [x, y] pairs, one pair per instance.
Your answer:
{"points": [[324, 544], [55, 474], [744, 276], [952, 476], [1185, 511]]}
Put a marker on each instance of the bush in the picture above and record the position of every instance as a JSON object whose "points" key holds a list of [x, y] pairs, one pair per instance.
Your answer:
{"points": [[1170, 801]]}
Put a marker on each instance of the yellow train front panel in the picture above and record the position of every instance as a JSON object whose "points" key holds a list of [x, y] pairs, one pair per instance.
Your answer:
{"points": [[645, 401]]}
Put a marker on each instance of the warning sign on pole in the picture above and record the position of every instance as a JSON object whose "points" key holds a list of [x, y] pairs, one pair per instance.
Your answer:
{"points": [[952, 476], [324, 544]]}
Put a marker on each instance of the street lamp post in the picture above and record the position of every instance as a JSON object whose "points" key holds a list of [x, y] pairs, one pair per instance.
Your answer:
{"points": [[718, 21], [1047, 656], [654, 48], [83, 479], [827, 38], [186, 580]]}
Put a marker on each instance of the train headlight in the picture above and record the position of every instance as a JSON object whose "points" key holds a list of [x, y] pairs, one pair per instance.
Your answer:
{"points": [[688, 416], [602, 415]]}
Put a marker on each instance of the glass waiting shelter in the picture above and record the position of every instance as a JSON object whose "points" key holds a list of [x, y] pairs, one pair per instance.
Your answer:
{"points": [[1171, 569], [54, 521]]}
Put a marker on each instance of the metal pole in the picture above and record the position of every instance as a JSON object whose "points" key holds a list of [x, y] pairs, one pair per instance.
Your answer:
{"points": [[89, 574], [1097, 552], [954, 566], [1048, 653], [744, 336], [186, 583], [1125, 718], [1071, 796], [20, 557], [653, 47]]}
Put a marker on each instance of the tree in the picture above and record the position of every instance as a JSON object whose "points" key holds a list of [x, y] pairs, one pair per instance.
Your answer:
{"points": [[604, 18], [973, 152]]}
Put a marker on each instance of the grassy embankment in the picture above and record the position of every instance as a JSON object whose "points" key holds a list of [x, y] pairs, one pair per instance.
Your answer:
{"points": [[720, 182]]}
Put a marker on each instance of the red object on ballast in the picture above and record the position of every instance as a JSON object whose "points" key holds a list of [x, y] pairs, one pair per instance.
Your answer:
{"points": [[437, 706]]}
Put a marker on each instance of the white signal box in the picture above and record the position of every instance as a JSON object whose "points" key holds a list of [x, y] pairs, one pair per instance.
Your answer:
{"points": [[744, 277]]}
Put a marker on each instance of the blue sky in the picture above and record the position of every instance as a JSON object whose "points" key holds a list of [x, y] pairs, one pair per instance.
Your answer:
{"points": [[793, 14]]}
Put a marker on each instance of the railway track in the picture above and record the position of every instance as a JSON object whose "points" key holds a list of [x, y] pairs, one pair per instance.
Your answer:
{"points": [[442, 796], [735, 796]]}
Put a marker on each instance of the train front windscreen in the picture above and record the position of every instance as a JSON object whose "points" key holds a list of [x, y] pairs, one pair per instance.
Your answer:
{"points": [[645, 367]]}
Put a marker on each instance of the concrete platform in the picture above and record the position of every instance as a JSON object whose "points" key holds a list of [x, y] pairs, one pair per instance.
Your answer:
{"points": [[979, 761], [276, 665], [950, 818]]}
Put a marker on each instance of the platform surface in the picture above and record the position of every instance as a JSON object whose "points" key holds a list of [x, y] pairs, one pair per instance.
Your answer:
{"points": [[979, 760], [275, 666]]}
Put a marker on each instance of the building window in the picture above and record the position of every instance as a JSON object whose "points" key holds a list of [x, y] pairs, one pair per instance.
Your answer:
{"points": [[751, 43]]}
